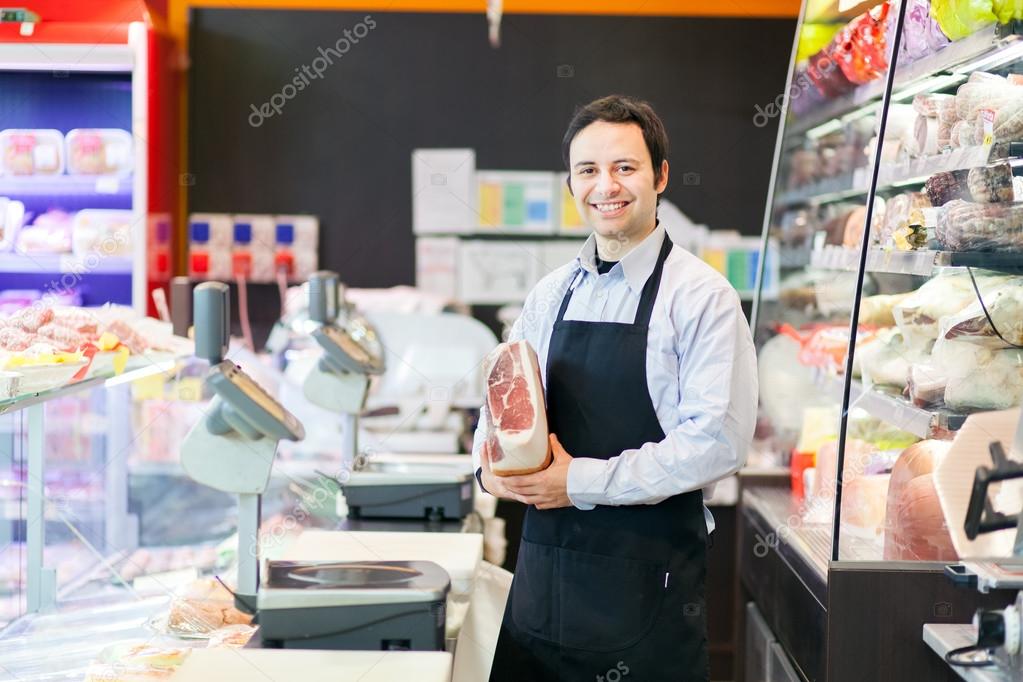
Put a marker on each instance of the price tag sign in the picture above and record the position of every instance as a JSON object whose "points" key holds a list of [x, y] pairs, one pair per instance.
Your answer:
{"points": [[987, 117]]}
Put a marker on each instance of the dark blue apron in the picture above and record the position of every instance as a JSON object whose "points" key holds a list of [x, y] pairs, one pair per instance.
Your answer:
{"points": [[614, 592]]}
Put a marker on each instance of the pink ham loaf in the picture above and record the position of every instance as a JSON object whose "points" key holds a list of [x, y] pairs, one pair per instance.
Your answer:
{"points": [[516, 411]]}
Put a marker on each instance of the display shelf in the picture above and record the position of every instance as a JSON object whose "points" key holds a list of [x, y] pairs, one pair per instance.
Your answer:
{"points": [[992, 45], [924, 262], [144, 366], [889, 178], [893, 409], [15, 186], [825, 191], [64, 263]]}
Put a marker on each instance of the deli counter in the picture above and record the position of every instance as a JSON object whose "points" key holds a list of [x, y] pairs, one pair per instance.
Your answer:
{"points": [[897, 319]]}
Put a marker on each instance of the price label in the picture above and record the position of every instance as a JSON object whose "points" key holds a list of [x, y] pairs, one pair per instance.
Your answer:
{"points": [[987, 117]]}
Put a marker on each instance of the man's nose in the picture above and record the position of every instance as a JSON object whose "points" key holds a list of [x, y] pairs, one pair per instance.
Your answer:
{"points": [[607, 185]]}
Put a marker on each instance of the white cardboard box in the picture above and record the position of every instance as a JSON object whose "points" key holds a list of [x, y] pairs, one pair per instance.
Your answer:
{"points": [[444, 191]]}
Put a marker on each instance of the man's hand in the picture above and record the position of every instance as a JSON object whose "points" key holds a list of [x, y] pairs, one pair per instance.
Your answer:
{"points": [[547, 489], [495, 485]]}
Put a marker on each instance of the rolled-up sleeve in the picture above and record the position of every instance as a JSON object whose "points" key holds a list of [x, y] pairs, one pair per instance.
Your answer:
{"points": [[717, 388]]}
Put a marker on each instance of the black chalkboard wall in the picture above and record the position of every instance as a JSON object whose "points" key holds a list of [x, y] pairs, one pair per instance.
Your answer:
{"points": [[340, 148]]}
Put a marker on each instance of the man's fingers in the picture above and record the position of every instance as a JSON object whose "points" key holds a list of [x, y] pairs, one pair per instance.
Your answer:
{"points": [[557, 449]]}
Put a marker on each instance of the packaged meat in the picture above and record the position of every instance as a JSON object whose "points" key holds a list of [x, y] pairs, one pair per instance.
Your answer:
{"points": [[863, 505], [915, 527], [49, 233], [12, 216], [921, 34], [928, 104], [990, 184], [31, 152], [960, 18], [825, 75], [1007, 10], [861, 47], [203, 608], [1005, 306], [969, 226], [858, 456], [886, 361], [946, 186], [877, 310], [231, 636], [146, 654], [517, 435], [99, 151], [927, 383], [980, 378], [30, 319], [925, 130], [102, 232], [918, 315]]}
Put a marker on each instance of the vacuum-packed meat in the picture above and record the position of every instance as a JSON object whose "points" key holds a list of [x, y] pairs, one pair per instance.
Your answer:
{"points": [[915, 527], [516, 412]]}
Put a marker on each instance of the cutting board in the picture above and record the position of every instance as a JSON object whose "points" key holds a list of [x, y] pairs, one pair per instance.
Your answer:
{"points": [[288, 665], [457, 553]]}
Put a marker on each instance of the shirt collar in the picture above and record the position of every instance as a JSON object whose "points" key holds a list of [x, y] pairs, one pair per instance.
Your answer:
{"points": [[637, 265]]}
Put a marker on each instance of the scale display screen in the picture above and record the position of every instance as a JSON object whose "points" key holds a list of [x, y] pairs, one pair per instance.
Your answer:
{"points": [[351, 354], [269, 416]]}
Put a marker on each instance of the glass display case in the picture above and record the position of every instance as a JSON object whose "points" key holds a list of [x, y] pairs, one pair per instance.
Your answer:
{"points": [[897, 317], [892, 225]]}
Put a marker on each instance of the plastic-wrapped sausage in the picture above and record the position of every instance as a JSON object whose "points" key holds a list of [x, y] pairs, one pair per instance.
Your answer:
{"points": [[991, 184], [947, 186], [968, 226]]}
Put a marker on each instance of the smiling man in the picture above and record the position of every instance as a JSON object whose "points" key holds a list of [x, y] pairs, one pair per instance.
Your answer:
{"points": [[651, 385]]}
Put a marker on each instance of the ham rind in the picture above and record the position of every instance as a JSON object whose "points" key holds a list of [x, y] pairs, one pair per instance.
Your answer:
{"points": [[516, 413]]}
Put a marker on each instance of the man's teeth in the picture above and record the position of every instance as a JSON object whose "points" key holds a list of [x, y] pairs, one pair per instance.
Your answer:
{"points": [[610, 208]]}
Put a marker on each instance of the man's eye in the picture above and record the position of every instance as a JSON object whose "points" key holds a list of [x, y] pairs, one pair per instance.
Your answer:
{"points": [[586, 171], [625, 169]]}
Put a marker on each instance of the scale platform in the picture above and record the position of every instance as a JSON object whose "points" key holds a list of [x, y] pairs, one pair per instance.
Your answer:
{"points": [[244, 665], [411, 486], [356, 605]]}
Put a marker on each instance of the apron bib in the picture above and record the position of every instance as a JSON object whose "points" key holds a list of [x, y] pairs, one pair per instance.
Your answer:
{"points": [[614, 592]]}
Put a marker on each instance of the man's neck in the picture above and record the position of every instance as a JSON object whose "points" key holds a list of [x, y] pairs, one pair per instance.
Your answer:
{"points": [[616, 248]]}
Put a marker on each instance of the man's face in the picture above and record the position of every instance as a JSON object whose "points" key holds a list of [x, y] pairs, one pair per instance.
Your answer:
{"points": [[612, 180]]}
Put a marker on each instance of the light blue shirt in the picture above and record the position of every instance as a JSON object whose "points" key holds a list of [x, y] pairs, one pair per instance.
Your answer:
{"points": [[701, 371]]}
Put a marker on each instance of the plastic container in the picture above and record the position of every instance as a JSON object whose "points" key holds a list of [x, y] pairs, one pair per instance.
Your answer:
{"points": [[99, 151], [101, 232], [12, 215], [31, 152]]}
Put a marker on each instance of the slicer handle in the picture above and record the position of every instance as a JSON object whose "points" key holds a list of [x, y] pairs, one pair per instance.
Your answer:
{"points": [[211, 315], [323, 299]]}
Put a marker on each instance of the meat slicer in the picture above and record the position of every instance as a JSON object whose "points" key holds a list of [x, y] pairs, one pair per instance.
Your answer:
{"points": [[434, 488], [997, 634], [321, 604]]}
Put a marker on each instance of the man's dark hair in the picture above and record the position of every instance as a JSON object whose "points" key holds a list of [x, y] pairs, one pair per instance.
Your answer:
{"points": [[621, 109]]}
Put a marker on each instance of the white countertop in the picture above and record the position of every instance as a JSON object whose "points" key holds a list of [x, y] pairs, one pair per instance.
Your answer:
{"points": [[943, 637], [289, 665]]}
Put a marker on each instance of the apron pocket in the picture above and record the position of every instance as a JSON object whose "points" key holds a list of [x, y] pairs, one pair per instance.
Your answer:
{"points": [[534, 601], [607, 603]]}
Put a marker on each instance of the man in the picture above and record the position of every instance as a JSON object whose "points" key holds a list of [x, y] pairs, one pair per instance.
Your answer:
{"points": [[651, 387]]}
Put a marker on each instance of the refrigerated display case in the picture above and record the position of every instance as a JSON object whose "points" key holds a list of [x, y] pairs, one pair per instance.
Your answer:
{"points": [[891, 202], [88, 153]]}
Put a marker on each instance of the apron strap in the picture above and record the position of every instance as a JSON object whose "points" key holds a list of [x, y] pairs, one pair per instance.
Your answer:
{"points": [[647, 297], [653, 284]]}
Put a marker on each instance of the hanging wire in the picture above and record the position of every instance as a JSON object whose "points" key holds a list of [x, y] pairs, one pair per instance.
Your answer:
{"points": [[983, 307]]}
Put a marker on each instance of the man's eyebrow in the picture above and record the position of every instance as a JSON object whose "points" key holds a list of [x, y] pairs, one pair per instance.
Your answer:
{"points": [[592, 163]]}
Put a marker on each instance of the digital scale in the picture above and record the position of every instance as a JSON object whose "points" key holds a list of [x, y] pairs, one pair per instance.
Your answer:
{"points": [[386, 487], [381, 605]]}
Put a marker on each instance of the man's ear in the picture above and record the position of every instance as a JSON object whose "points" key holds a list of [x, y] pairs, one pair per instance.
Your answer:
{"points": [[663, 182], [568, 182]]}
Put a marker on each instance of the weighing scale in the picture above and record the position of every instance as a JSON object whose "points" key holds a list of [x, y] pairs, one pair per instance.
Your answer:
{"points": [[321, 604], [408, 486]]}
